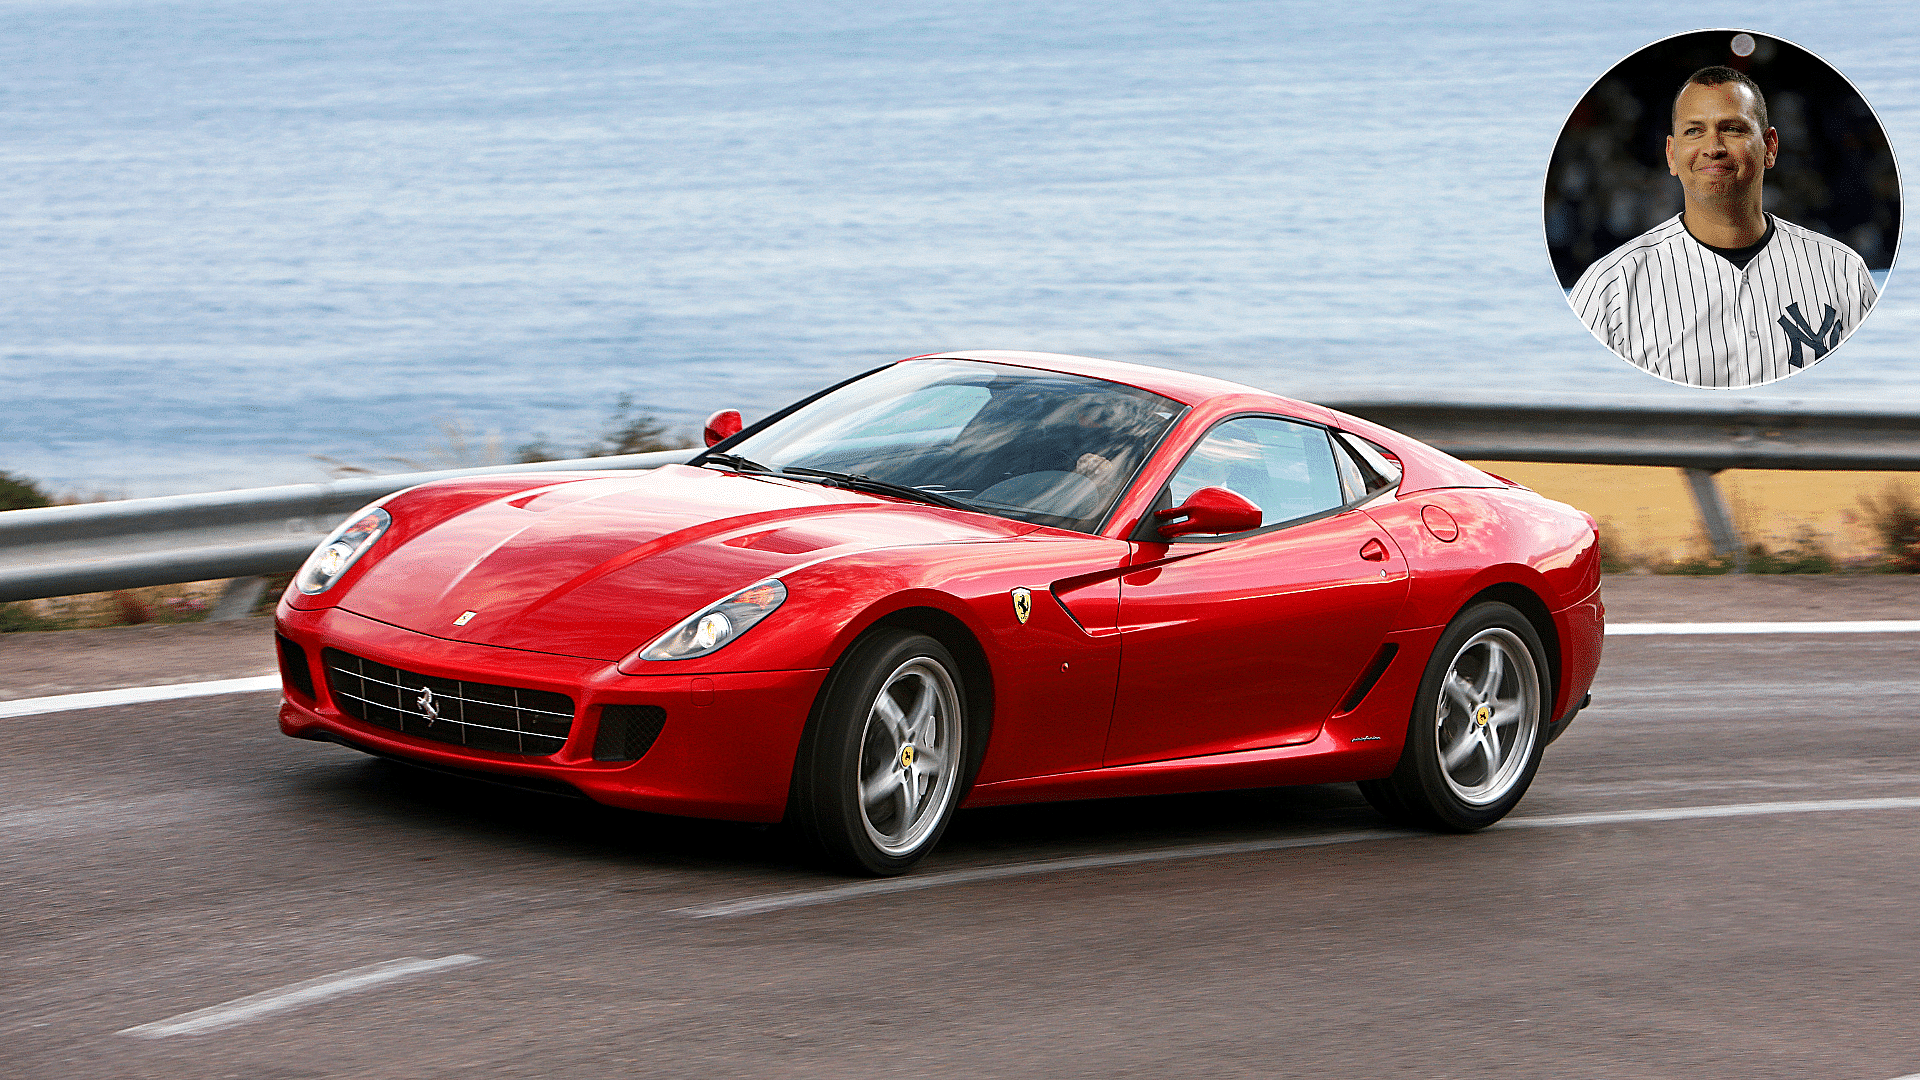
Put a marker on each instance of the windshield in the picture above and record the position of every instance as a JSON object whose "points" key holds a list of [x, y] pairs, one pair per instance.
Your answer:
{"points": [[1035, 445]]}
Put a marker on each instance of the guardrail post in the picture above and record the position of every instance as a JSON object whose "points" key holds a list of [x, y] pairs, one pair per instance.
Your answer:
{"points": [[1719, 521], [238, 599]]}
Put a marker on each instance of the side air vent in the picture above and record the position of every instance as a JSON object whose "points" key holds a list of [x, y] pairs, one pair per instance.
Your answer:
{"points": [[1368, 677], [627, 731], [294, 670]]}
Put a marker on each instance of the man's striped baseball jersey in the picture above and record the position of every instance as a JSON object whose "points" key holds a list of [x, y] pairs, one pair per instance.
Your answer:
{"points": [[1679, 309]]}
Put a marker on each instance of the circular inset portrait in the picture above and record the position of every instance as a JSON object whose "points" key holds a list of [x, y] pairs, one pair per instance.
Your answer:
{"points": [[1722, 208]]}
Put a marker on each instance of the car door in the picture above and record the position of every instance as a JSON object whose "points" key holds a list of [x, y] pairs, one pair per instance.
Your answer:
{"points": [[1249, 641]]}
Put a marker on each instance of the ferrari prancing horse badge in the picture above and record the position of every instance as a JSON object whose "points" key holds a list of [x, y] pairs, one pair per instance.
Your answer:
{"points": [[1022, 604]]}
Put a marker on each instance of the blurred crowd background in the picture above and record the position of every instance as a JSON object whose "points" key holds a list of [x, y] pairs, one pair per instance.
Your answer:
{"points": [[1608, 181]]}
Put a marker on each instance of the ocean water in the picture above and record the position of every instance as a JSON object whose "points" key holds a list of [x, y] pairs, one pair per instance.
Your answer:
{"points": [[237, 235]]}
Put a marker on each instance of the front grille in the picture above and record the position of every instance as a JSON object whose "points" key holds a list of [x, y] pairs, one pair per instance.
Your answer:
{"points": [[627, 731], [504, 719]]}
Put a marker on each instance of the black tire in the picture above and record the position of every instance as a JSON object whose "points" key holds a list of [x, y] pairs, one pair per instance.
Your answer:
{"points": [[1478, 728], [883, 762]]}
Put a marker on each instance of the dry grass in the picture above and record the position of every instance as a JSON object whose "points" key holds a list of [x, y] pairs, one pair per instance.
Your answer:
{"points": [[1648, 518], [1803, 522], [189, 602]]}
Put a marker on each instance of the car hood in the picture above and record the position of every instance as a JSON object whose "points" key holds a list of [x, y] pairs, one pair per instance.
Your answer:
{"points": [[598, 567]]}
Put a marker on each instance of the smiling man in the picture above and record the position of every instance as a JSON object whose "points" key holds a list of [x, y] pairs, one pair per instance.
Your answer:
{"points": [[1724, 294]]}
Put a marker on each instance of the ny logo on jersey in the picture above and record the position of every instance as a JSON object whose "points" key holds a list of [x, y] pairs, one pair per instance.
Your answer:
{"points": [[1801, 332]]}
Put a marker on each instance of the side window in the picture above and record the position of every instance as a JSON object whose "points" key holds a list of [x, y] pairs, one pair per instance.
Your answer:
{"points": [[1286, 469], [1352, 481], [1378, 470]]}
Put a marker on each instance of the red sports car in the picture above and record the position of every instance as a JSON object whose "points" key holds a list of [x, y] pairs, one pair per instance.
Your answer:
{"points": [[959, 581]]}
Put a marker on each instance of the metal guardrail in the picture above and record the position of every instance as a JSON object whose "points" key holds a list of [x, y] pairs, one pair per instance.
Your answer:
{"points": [[95, 547], [1700, 440], [1744, 433], [63, 550]]}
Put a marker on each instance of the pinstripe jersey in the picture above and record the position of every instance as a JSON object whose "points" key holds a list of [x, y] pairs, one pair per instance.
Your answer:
{"points": [[1671, 305]]}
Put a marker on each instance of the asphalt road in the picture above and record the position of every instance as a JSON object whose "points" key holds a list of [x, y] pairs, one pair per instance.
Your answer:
{"points": [[168, 857]]}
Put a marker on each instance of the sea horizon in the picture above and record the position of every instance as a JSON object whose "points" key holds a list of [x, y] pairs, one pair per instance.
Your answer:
{"points": [[247, 242]]}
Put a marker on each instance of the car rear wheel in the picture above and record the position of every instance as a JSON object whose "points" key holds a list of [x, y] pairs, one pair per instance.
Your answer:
{"points": [[879, 772], [1478, 726]]}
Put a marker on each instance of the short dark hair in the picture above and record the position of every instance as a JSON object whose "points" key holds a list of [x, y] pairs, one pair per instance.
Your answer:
{"points": [[1714, 76]]}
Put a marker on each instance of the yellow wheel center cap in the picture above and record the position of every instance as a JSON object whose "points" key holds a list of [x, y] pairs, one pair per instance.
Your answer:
{"points": [[906, 757], [1482, 714]]}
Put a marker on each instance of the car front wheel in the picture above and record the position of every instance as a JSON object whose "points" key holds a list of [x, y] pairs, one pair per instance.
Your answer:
{"points": [[1477, 732], [879, 772]]}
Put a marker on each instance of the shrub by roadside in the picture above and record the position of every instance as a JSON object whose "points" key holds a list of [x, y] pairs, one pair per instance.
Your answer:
{"points": [[18, 616], [627, 432], [1895, 516], [20, 493], [1807, 553]]}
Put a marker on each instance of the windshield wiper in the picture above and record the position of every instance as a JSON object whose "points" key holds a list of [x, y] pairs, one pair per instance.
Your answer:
{"points": [[863, 482], [736, 462]]}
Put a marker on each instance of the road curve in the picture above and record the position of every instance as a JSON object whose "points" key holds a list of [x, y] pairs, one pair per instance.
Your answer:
{"points": [[296, 910]]}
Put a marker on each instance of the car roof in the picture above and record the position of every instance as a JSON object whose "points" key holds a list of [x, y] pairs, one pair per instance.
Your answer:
{"points": [[1423, 467], [1181, 386]]}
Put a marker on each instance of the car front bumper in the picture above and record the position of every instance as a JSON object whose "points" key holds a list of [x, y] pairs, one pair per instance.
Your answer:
{"points": [[725, 749]]}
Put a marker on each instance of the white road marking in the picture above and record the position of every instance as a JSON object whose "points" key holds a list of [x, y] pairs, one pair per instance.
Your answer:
{"points": [[1686, 813], [134, 695], [861, 890], [1869, 626], [241, 1010]]}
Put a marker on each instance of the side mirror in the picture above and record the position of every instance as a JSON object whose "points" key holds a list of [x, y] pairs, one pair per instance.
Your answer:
{"points": [[722, 425], [1210, 510]]}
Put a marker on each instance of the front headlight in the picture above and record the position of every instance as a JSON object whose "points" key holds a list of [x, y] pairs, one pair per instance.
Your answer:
{"points": [[716, 624], [339, 551]]}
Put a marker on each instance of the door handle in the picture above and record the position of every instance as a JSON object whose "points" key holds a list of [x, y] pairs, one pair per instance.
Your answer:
{"points": [[1374, 551]]}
